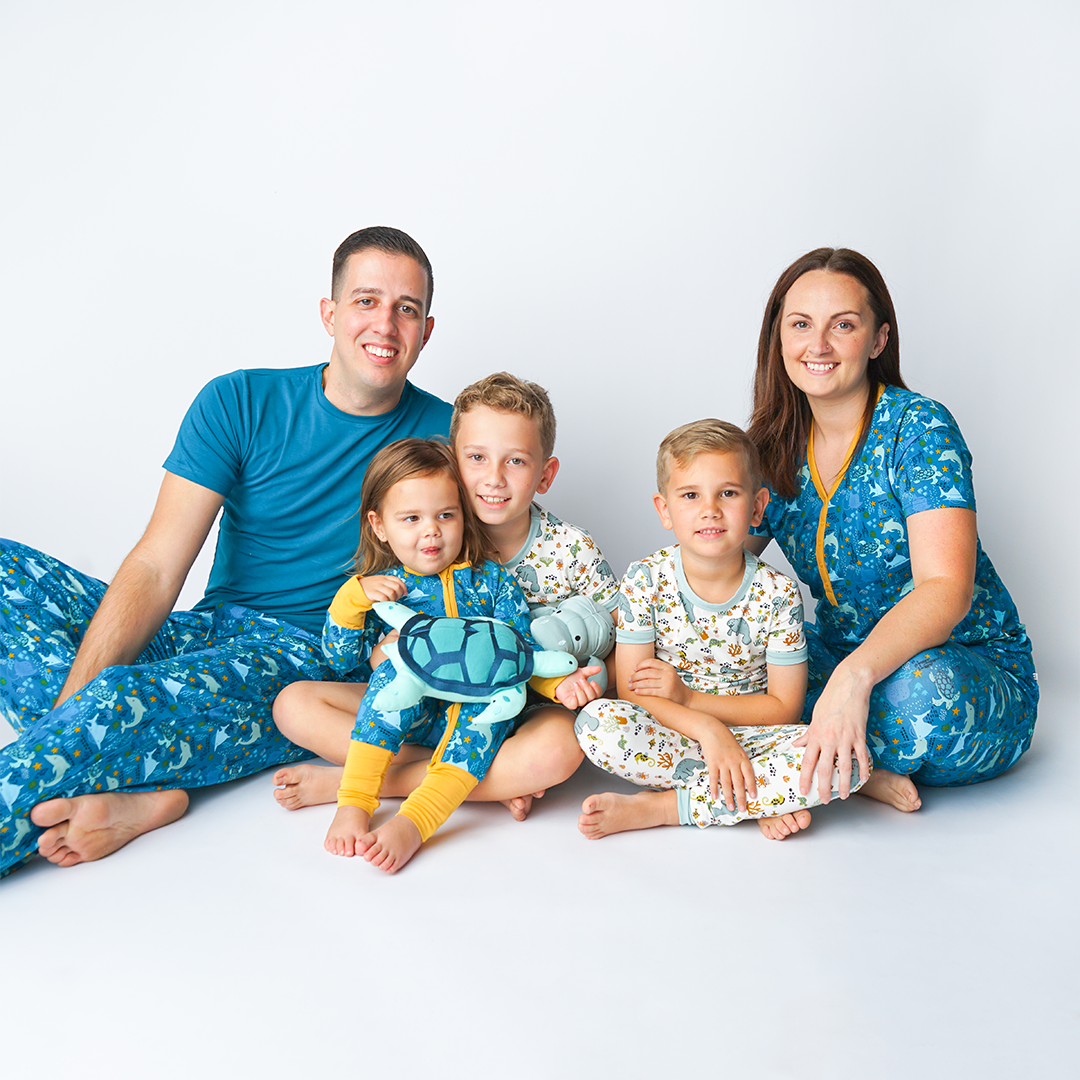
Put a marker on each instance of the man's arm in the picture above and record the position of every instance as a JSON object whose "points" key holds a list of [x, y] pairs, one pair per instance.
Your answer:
{"points": [[149, 580]]}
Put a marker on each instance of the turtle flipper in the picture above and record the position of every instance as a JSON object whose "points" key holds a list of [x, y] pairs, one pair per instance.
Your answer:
{"points": [[403, 689]]}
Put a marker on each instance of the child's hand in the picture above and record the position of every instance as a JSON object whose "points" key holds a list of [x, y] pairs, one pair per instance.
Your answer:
{"points": [[382, 587], [655, 678], [729, 767], [377, 654], [576, 690]]}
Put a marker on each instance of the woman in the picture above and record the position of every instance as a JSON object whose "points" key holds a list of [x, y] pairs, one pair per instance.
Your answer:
{"points": [[917, 649]]}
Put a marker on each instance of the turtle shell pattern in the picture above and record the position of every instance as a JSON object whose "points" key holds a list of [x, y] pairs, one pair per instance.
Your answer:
{"points": [[464, 656]]}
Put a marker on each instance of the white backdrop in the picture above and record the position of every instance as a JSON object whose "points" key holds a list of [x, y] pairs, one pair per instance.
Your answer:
{"points": [[607, 192]]}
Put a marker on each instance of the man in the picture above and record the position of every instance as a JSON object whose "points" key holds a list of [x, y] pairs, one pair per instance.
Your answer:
{"points": [[117, 715]]}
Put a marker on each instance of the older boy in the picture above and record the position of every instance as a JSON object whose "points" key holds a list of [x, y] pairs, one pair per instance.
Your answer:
{"points": [[503, 434], [711, 663]]}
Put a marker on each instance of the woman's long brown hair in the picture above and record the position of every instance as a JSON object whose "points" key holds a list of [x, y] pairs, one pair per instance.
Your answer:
{"points": [[780, 423]]}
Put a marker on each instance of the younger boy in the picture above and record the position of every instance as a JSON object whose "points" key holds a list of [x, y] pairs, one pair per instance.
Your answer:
{"points": [[503, 435], [711, 661]]}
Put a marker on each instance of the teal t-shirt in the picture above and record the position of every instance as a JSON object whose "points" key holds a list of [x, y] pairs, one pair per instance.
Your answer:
{"points": [[290, 466]]}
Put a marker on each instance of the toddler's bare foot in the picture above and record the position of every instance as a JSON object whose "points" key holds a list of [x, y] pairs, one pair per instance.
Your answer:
{"points": [[90, 827], [393, 844], [780, 828], [610, 813], [307, 785], [892, 788], [348, 831], [521, 806]]}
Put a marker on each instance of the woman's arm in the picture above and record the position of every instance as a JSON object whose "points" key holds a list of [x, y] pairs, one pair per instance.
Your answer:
{"points": [[942, 546]]}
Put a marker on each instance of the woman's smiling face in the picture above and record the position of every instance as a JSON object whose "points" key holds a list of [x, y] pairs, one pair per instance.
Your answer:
{"points": [[828, 335]]}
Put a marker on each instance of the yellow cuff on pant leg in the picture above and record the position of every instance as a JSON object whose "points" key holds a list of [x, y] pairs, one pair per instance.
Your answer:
{"points": [[444, 789], [365, 771]]}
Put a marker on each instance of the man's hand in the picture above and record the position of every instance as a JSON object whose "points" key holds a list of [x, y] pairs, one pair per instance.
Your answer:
{"points": [[729, 768], [656, 678], [576, 690]]}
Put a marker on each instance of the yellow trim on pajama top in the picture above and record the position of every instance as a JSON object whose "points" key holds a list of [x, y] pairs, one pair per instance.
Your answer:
{"points": [[819, 543]]}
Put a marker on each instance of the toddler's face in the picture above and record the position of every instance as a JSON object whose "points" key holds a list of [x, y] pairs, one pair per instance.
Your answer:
{"points": [[422, 522], [710, 506], [502, 463]]}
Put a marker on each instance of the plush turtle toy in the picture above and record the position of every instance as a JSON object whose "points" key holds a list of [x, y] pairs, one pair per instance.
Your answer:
{"points": [[461, 660]]}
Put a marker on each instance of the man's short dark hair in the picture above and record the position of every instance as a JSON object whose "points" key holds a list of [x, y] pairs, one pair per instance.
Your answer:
{"points": [[382, 238]]}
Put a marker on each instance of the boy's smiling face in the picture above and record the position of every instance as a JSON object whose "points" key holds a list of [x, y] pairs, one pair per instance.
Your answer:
{"points": [[502, 463], [710, 505]]}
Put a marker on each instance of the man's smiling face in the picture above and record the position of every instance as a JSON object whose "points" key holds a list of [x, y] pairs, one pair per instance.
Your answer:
{"points": [[379, 325]]}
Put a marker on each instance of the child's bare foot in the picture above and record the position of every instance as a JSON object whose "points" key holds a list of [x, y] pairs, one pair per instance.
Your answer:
{"points": [[89, 827], [893, 788], [307, 785], [521, 806], [392, 844], [347, 832], [780, 828], [610, 813]]}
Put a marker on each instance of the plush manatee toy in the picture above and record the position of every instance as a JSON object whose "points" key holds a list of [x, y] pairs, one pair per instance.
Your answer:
{"points": [[462, 660], [579, 626]]}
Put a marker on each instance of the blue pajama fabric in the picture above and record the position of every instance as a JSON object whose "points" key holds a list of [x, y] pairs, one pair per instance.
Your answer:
{"points": [[195, 709], [954, 715], [471, 749]]}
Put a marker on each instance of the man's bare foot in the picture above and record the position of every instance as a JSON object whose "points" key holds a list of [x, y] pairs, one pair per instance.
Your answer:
{"points": [[780, 828], [89, 827], [610, 813], [392, 844], [893, 788], [307, 785], [347, 832], [521, 806]]}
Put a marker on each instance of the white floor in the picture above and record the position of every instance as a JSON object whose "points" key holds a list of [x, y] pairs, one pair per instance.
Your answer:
{"points": [[939, 944]]}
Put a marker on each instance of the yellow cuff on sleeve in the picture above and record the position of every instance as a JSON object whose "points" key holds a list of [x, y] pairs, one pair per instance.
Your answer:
{"points": [[350, 605], [443, 790], [365, 771], [546, 686]]}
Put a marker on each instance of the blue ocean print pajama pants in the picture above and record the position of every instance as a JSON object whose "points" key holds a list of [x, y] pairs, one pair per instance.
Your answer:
{"points": [[195, 709], [953, 715]]}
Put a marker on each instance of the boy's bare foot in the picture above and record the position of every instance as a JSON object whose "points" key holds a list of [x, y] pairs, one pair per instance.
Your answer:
{"points": [[521, 806], [610, 813], [392, 844], [307, 785], [348, 831], [89, 827], [780, 828], [893, 788]]}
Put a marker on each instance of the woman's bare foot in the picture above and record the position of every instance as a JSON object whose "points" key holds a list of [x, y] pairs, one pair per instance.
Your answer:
{"points": [[307, 785], [392, 844], [347, 832], [780, 828], [609, 813], [89, 827], [892, 788], [521, 806]]}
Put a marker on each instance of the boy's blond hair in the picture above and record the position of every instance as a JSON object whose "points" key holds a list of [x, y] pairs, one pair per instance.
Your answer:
{"points": [[507, 393], [711, 436]]}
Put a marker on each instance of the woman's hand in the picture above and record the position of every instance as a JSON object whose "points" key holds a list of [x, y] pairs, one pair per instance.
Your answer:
{"points": [[729, 768], [656, 678], [836, 733]]}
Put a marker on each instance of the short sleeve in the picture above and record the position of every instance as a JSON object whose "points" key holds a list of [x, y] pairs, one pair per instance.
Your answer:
{"points": [[785, 642], [209, 447], [636, 622], [932, 467], [592, 576]]}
